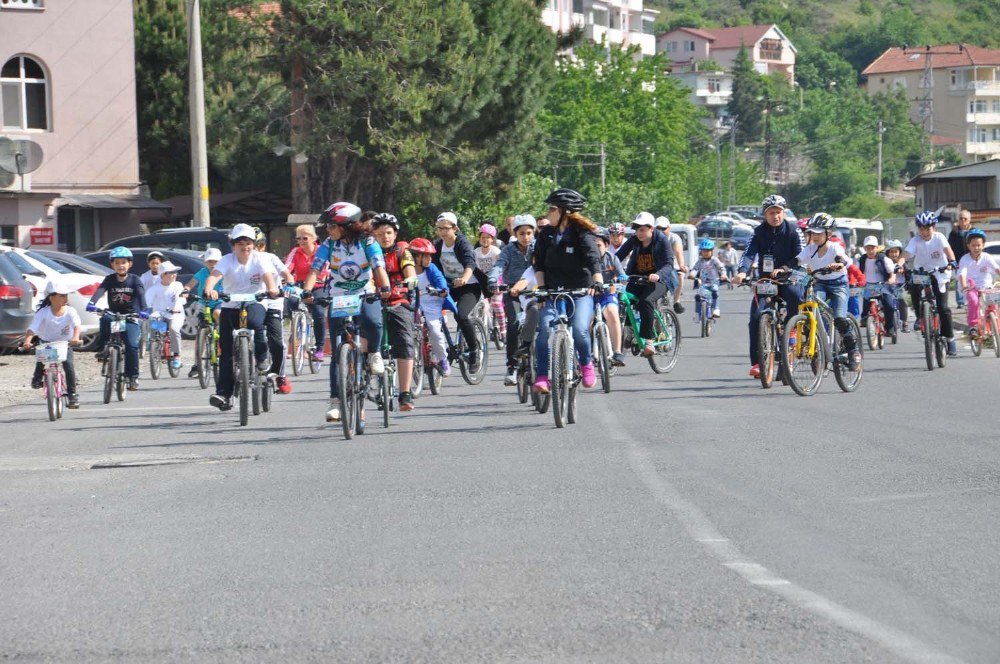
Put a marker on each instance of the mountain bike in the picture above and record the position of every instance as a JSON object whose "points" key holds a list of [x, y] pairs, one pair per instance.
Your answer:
{"points": [[666, 330], [703, 297], [383, 390], [989, 308], [206, 347], [875, 330], [770, 329], [600, 343], [53, 354], [929, 321], [160, 352], [301, 337], [251, 388], [564, 370], [458, 351], [483, 311], [113, 367]]}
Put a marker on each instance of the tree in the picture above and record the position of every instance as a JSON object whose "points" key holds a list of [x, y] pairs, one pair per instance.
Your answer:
{"points": [[744, 103]]}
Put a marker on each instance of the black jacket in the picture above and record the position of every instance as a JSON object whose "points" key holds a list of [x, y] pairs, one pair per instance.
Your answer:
{"points": [[663, 254], [570, 263], [956, 240], [783, 244]]}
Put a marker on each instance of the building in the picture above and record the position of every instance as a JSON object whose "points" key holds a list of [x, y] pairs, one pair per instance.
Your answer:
{"points": [[974, 187], [954, 90], [711, 89], [622, 22], [67, 84], [769, 49]]}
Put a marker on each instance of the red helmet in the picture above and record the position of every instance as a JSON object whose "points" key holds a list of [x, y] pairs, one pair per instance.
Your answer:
{"points": [[419, 245], [341, 214]]}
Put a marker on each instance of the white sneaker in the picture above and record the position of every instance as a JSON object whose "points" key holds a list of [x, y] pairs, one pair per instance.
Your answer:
{"points": [[716, 313], [333, 415], [375, 364], [511, 378]]}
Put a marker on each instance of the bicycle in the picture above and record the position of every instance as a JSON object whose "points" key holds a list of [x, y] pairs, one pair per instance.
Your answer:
{"points": [[704, 297], [564, 370], [989, 307], [302, 338], [53, 354], [770, 329], [386, 389], [875, 330], [251, 388], [207, 346], [600, 343], [113, 366], [813, 343], [458, 351], [929, 321], [483, 312], [159, 348], [666, 330]]}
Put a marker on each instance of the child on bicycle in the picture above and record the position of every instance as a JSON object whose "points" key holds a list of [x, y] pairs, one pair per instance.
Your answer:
{"points": [[894, 252], [197, 285], [613, 271], [711, 271], [151, 276], [165, 299], [487, 254], [126, 295], [402, 281], [878, 270], [514, 259], [975, 273], [432, 306], [55, 320], [930, 251]]}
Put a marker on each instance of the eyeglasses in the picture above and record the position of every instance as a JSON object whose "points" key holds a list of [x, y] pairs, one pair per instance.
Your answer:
{"points": [[444, 228]]}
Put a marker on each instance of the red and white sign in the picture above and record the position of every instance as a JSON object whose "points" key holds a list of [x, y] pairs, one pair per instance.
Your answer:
{"points": [[42, 236]]}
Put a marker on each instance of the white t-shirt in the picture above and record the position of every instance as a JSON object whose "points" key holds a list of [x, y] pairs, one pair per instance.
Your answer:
{"points": [[872, 273], [50, 327], [277, 303], [812, 256], [243, 279], [485, 262], [431, 305], [929, 255], [710, 270], [978, 272], [162, 299], [149, 279], [451, 267]]}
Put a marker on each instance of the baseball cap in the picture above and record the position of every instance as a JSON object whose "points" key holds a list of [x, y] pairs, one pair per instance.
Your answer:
{"points": [[167, 266], [449, 217], [644, 219], [212, 254], [242, 231], [58, 286], [870, 241]]}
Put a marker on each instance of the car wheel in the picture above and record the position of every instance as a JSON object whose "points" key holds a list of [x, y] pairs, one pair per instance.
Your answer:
{"points": [[88, 342], [192, 310]]}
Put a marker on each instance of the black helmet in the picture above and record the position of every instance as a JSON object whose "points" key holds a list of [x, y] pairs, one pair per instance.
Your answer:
{"points": [[383, 219], [567, 199], [821, 221]]}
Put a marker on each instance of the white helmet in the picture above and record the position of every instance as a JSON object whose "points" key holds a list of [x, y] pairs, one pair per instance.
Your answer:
{"points": [[212, 254], [663, 222], [523, 220], [243, 231], [644, 219]]}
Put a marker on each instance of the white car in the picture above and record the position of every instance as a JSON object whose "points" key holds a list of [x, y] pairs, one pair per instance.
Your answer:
{"points": [[992, 248], [38, 270]]}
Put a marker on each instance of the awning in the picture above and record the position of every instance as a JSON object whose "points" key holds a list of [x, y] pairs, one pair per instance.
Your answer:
{"points": [[111, 202]]}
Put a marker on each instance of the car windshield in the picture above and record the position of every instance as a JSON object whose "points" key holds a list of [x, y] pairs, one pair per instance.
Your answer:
{"points": [[24, 265], [48, 262]]}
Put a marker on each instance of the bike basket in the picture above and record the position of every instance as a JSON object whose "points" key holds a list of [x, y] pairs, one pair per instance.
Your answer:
{"points": [[117, 326], [991, 296], [158, 325], [53, 351], [800, 278], [343, 306], [856, 290], [873, 290], [920, 279], [766, 288]]}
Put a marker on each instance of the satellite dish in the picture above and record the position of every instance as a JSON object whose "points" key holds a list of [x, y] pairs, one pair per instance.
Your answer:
{"points": [[19, 157]]}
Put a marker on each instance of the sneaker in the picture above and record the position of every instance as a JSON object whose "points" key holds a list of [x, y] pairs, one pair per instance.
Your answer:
{"points": [[904, 328], [195, 372], [101, 355], [587, 375], [264, 365], [511, 378], [405, 401], [542, 385], [221, 402], [618, 359], [133, 384], [375, 364], [333, 414], [175, 362], [37, 382], [283, 385], [755, 371], [445, 368], [678, 307], [473, 362], [318, 355], [716, 313], [648, 350], [853, 360], [952, 348], [73, 401]]}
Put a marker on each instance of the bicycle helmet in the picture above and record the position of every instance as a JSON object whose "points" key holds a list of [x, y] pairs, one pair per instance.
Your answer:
{"points": [[893, 244], [617, 228], [523, 220], [258, 236], [663, 222], [602, 233], [820, 222], [489, 229], [120, 252], [242, 232], [383, 219], [341, 214], [155, 254], [774, 200], [567, 199], [926, 218], [420, 245], [975, 232], [706, 244]]}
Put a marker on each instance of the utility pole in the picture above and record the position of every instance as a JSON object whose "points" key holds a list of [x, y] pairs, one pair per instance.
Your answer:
{"points": [[881, 130], [767, 137], [196, 102], [718, 174], [603, 166], [732, 165]]}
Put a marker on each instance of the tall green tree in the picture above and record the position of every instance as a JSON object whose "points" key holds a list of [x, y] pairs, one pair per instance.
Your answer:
{"points": [[745, 104]]}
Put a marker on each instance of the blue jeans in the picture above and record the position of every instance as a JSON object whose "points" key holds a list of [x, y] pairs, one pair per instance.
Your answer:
{"points": [[131, 344], [370, 322], [792, 296], [837, 293], [582, 315], [714, 304]]}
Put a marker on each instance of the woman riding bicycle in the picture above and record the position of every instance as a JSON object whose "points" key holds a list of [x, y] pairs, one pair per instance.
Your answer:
{"points": [[566, 256], [652, 256], [456, 259], [299, 262], [355, 258]]}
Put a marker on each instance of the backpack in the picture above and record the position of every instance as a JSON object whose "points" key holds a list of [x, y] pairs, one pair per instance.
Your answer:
{"points": [[880, 265]]}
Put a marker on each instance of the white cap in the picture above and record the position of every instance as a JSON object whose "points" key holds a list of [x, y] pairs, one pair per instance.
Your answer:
{"points": [[58, 286], [449, 217], [167, 266], [242, 230], [644, 219], [663, 221], [212, 254], [870, 241]]}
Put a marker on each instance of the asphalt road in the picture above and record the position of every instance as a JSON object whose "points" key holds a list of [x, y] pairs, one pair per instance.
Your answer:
{"points": [[687, 518]]}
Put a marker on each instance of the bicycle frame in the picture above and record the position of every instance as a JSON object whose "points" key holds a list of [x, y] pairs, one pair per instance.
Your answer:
{"points": [[627, 310]]}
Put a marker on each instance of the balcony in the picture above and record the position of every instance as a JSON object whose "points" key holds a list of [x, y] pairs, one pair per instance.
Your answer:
{"points": [[985, 147], [982, 118], [599, 33], [984, 88]]}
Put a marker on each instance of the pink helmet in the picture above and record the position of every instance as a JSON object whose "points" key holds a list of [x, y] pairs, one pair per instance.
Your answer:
{"points": [[489, 229]]}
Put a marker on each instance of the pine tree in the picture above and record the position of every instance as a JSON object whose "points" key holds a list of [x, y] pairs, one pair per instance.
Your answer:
{"points": [[744, 102]]}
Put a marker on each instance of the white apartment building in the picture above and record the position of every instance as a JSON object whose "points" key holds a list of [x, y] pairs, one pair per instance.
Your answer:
{"points": [[622, 22]]}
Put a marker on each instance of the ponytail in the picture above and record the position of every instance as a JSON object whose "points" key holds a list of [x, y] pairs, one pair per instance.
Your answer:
{"points": [[581, 222]]}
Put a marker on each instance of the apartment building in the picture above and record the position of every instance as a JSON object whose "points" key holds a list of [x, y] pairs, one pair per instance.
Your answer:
{"points": [[67, 83], [622, 22], [954, 91]]}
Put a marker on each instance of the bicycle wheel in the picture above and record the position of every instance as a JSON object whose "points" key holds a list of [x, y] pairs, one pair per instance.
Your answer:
{"points": [[574, 387], [523, 383], [994, 329], [314, 364], [804, 369], [203, 356], [940, 350], [346, 381], [297, 342], [155, 357], [559, 375], [976, 342], [434, 379], [143, 338], [847, 379], [242, 382], [168, 358], [51, 394], [871, 328], [417, 380], [63, 397], [666, 339], [495, 334], [256, 388], [385, 387], [483, 355], [927, 320], [706, 319], [110, 372], [266, 394], [601, 348], [767, 357], [119, 374]]}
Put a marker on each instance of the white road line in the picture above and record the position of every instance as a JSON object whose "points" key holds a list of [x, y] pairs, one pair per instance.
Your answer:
{"points": [[916, 496], [700, 528]]}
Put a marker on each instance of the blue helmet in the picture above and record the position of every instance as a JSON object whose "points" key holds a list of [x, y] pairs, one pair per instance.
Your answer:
{"points": [[706, 244], [120, 252], [926, 218], [975, 232]]}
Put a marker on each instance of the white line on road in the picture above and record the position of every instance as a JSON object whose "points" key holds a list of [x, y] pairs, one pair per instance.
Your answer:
{"points": [[917, 495], [701, 529]]}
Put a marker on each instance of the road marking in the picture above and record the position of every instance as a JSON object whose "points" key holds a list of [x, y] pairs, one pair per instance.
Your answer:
{"points": [[700, 528], [97, 462], [917, 495]]}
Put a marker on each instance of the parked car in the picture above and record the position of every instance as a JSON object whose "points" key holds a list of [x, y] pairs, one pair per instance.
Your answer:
{"points": [[741, 238], [726, 214], [190, 239], [16, 311], [992, 248], [189, 262], [749, 212], [719, 228], [38, 270], [76, 263]]}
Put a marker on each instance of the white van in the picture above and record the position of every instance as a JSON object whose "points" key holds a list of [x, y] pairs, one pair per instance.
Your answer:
{"points": [[854, 231], [689, 238]]}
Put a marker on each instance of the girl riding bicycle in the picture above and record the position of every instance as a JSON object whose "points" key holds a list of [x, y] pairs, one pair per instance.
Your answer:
{"points": [[612, 270], [894, 252], [164, 297], [514, 259], [975, 273], [566, 256], [299, 262], [432, 306], [55, 320], [487, 254], [456, 259]]}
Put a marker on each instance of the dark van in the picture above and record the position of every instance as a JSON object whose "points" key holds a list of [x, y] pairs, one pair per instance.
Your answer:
{"points": [[190, 239]]}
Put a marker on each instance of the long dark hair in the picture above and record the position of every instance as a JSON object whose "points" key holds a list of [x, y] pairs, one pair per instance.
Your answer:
{"points": [[351, 233]]}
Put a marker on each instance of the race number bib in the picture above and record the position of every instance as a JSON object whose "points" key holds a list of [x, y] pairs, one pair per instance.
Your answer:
{"points": [[767, 263]]}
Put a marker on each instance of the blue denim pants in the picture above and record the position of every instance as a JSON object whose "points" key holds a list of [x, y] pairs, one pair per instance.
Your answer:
{"points": [[582, 315], [132, 331]]}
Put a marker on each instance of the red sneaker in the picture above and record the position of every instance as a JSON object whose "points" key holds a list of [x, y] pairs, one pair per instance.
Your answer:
{"points": [[755, 371], [284, 386]]}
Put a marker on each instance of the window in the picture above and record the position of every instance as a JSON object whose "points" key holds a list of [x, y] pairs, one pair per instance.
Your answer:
{"points": [[78, 229], [978, 135], [996, 105], [954, 78], [688, 46], [577, 6], [671, 47], [8, 235], [770, 49], [714, 85], [996, 133], [977, 106], [23, 95]]}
